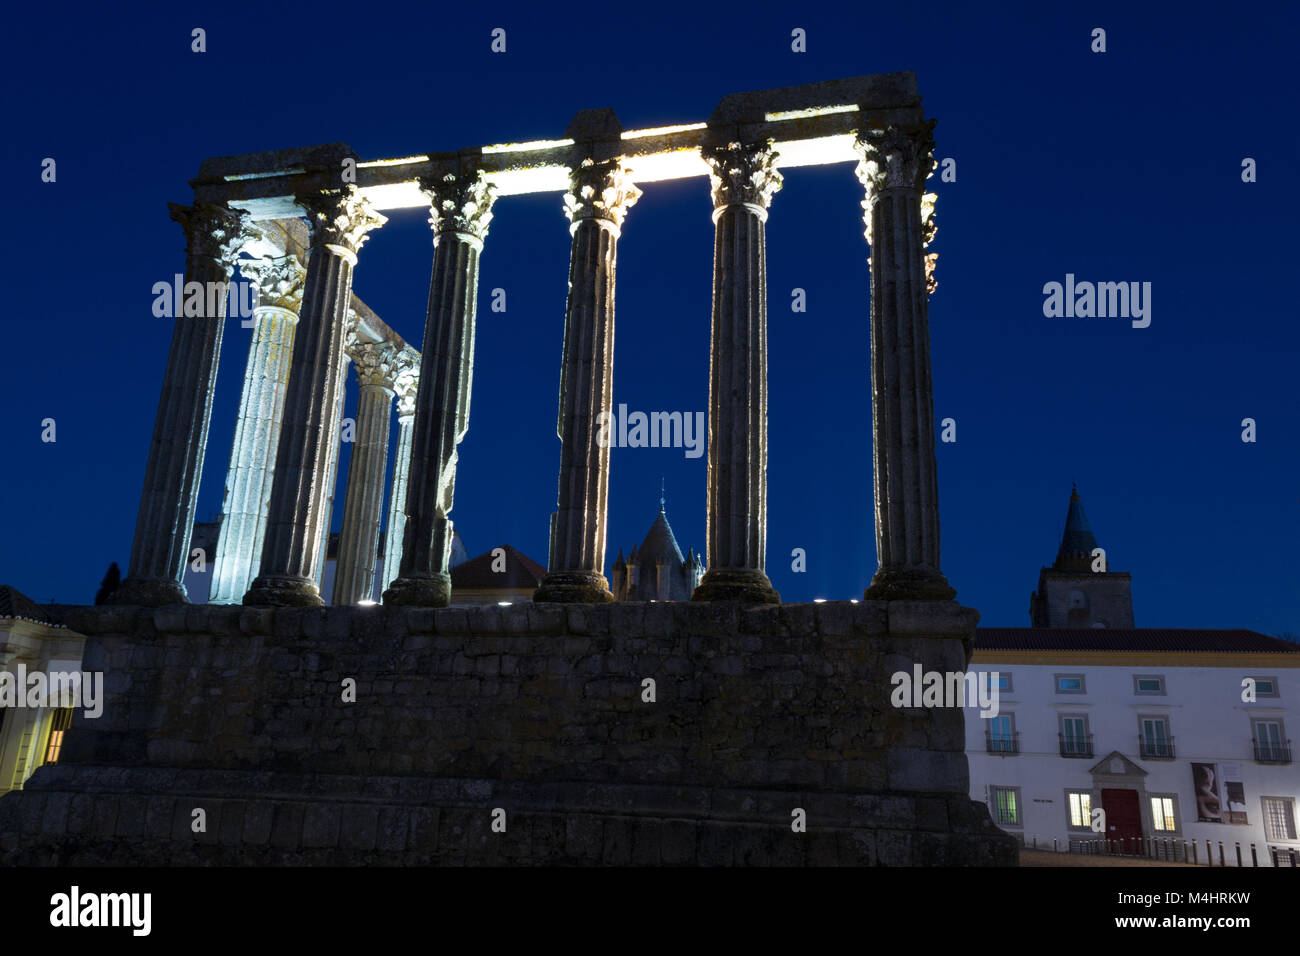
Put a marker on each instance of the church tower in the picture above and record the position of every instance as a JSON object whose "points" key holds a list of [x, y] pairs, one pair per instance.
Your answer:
{"points": [[655, 569], [1070, 593]]}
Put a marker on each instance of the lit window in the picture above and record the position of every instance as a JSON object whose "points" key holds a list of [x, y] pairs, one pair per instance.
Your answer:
{"points": [[1279, 818], [1163, 817], [1006, 806], [1080, 811], [59, 723]]}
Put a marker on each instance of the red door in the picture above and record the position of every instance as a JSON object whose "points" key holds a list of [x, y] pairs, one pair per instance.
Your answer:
{"points": [[1123, 820]]}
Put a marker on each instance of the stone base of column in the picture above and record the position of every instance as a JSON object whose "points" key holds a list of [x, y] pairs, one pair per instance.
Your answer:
{"points": [[283, 590], [573, 587], [149, 592], [433, 591], [913, 584], [745, 586]]}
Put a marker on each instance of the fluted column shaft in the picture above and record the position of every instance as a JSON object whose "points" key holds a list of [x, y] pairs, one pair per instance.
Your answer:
{"points": [[354, 576], [896, 162], [597, 202], [165, 521], [257, 429], [407, 382], [340, 220], [744, 178], [332, 467], [460, 211]]}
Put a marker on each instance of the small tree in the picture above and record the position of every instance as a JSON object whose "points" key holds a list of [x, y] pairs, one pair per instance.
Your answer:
{"points": [[107, 586]]}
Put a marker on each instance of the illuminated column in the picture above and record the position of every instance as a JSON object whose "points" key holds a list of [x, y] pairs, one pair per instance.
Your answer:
{"points": [[354, 576], [406, 385], [257, 430], [597, 202], [332, 468], [460, 210], [165, 522], [744, 178], [340, 220], [895, 165]]}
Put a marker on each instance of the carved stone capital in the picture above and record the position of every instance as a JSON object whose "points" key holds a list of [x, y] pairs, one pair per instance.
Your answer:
{"points": [[215, 232], [742, 174], [406, 381], [928, 231], [602, 191], [460, 204], [375, 364], [340, 219], [895, 157], [279, 280], [351, 329]]}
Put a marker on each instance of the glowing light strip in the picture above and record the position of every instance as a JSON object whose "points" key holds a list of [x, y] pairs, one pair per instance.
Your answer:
{"points": [[526, 147], [371, 164], [807, 114], [279, 172], [662, 130]]}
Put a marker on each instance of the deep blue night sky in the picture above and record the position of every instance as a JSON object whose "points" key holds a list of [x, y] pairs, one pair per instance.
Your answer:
{"points": [[1122, 166]]}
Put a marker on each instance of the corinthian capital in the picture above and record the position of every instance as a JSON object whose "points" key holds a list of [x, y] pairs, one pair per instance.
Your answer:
{"points": [[406, 381], [460, 204], [279, 280], [215, 232], [895, 157], [602, 191], [340, 219], [744, 174], [375, 364]]}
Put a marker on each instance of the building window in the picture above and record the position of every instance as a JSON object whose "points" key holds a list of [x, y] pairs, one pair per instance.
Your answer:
{"points": [[1164, 813], [1080, 803], [1003, 682], [1006, 806], [1279, 818], [59, 723], [1069, 684], [1148, 684], [1265, 686], [1001, 737], [1156, 743], [1074, 737], [1271, 745]]}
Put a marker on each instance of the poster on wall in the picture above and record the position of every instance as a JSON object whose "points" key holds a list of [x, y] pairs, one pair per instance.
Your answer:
{"points": [[1234, 794], [1205, 786]]}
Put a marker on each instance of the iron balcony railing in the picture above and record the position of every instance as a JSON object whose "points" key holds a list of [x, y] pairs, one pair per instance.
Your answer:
{"points": [[1268, 752], [1076, 746], [1002, 743], [1156, 748]]}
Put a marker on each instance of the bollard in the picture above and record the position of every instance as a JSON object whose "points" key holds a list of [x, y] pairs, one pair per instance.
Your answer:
{"points": [[1238, 853], [1054, 849], [1196, 854], [1254, 858], [1184, 851], [1209, 853], [1221, 863]]}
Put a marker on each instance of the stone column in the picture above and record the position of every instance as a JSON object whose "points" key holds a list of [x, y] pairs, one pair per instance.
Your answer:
{"points": [[340, 220], [406, 385], [597, 202], [896, 162], [460, 211], [165, 522], [257, 430], [336, 439], [354, 575], [744, 178]]}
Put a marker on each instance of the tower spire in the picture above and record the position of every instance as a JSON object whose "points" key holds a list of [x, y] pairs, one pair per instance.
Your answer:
{"points": [[661, 494]]}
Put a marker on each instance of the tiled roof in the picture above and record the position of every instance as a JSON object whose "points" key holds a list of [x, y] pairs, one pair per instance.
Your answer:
{"points": [[1184, 640], [521, 571], [15, 604]]}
